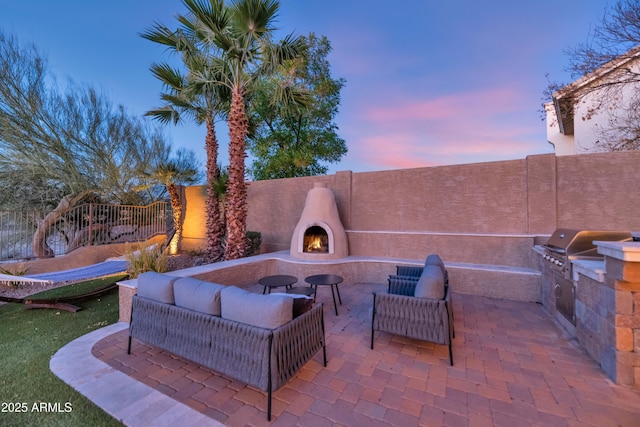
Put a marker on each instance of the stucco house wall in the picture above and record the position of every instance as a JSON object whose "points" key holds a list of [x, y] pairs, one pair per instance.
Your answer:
{"points": [[581, 111], [563, 144]]}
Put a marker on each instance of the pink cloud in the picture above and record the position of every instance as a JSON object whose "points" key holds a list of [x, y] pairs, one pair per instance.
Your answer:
{"points": [[463, 127], [461, 105], [397, 152]]}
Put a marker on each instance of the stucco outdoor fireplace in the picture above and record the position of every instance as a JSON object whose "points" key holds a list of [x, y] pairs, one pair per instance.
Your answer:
{"points": [[319, 234]]}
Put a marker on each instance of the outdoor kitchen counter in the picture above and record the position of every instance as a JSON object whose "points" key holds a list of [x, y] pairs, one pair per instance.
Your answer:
{"points": [[595, 269], [590, 268]]}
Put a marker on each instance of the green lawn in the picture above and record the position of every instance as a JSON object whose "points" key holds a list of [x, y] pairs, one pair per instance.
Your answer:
{"points": [[28, 339]]}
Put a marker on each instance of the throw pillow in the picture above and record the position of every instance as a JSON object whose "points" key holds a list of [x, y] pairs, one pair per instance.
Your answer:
{"points": [[198, 295], [265, 311], [431, 283], [301, 303], [156, 286]]}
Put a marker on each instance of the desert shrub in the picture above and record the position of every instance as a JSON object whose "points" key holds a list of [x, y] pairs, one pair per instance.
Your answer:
{"points": [[14, 270], [254, 240], [146, 258]]}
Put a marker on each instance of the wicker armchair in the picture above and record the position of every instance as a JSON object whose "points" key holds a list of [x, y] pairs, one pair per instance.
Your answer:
{"points": [[399, 312], [414, 272]]}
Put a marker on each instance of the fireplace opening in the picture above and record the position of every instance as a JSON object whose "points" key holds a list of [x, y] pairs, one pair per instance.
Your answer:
{"points": [[316, 240]]}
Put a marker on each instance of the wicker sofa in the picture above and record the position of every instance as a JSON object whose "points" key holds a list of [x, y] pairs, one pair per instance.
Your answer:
{"points": [[400, 312], [219, 327]]}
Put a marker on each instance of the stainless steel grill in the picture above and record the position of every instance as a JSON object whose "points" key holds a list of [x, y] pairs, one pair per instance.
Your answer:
{"points": [[565, 246]]}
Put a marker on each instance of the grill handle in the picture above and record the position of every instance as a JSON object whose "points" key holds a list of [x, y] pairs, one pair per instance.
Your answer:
{"points": [[556, 249], [557, 291]]}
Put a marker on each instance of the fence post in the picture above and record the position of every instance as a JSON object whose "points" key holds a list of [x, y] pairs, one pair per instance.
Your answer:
{"points": [[90, 224]]}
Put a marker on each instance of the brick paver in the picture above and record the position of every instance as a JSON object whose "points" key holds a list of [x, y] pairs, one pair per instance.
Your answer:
{"points": [[513, 367]]}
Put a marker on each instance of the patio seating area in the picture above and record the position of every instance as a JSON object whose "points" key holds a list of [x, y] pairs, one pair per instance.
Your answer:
{"points": [[512, 366]]}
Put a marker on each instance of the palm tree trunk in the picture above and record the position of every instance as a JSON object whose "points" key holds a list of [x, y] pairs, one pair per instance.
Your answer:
{"points": [[176, 208], [237, 190], [215, 225]]}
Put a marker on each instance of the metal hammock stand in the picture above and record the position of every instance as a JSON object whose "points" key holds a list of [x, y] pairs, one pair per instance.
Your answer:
{"points": [[95, 271]]}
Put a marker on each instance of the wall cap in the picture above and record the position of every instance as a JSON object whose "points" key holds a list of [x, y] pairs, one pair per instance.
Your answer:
{"points": [[624, 251]]}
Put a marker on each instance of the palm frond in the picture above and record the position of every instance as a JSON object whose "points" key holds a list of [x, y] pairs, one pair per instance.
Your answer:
{"points": [[170, 77], [164, 115], [161, 35], [255, 17]]}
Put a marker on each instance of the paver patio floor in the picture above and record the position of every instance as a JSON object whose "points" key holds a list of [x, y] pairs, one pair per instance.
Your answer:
{"points": [[513, 366]]}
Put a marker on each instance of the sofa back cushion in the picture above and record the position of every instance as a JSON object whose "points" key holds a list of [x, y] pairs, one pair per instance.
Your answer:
{"points": [[431, 283], [265, 311], [157, 286], [198, 295]]}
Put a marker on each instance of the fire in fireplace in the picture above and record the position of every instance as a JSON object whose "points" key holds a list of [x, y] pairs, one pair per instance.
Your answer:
{"points": [[316, 240]]}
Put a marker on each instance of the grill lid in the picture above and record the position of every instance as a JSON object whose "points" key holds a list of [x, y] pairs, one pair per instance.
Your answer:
{"points": [[569, 242]]}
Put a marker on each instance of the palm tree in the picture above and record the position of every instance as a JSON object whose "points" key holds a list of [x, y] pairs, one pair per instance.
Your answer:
{"points": [[200, 99], [172, 173], [219, 187], [242, 36]]}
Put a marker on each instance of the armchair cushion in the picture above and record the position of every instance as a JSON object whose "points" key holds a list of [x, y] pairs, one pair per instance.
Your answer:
{"points": [[431, 283], [434, 259]]}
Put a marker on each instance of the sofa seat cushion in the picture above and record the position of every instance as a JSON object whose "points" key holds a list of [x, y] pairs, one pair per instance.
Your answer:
{"points": [[198, 295], [431, 283], [265, 311], [157, 286]]}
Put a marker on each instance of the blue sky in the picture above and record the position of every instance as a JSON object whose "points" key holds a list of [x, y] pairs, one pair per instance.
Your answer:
{"points": [[428, 82]]}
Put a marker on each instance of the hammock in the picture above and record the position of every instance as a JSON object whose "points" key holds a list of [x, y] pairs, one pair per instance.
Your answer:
{"points": [[103, 269], [106, 268]]}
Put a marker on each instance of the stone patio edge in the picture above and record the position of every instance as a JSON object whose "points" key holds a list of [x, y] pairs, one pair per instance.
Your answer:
{"points": [[122, 397]]}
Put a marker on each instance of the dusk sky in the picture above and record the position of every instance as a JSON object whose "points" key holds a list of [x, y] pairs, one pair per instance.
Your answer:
{"points": [[427, 82]]}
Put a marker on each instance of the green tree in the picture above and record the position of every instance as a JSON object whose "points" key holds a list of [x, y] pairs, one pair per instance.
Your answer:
{"points": [[196, 95], [289, 140], [70, 140], [64, 144]]}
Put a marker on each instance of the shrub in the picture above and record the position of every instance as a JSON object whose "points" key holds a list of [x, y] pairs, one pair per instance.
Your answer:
{"points": [[146, 258], [15, 270], [254, 240]]}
